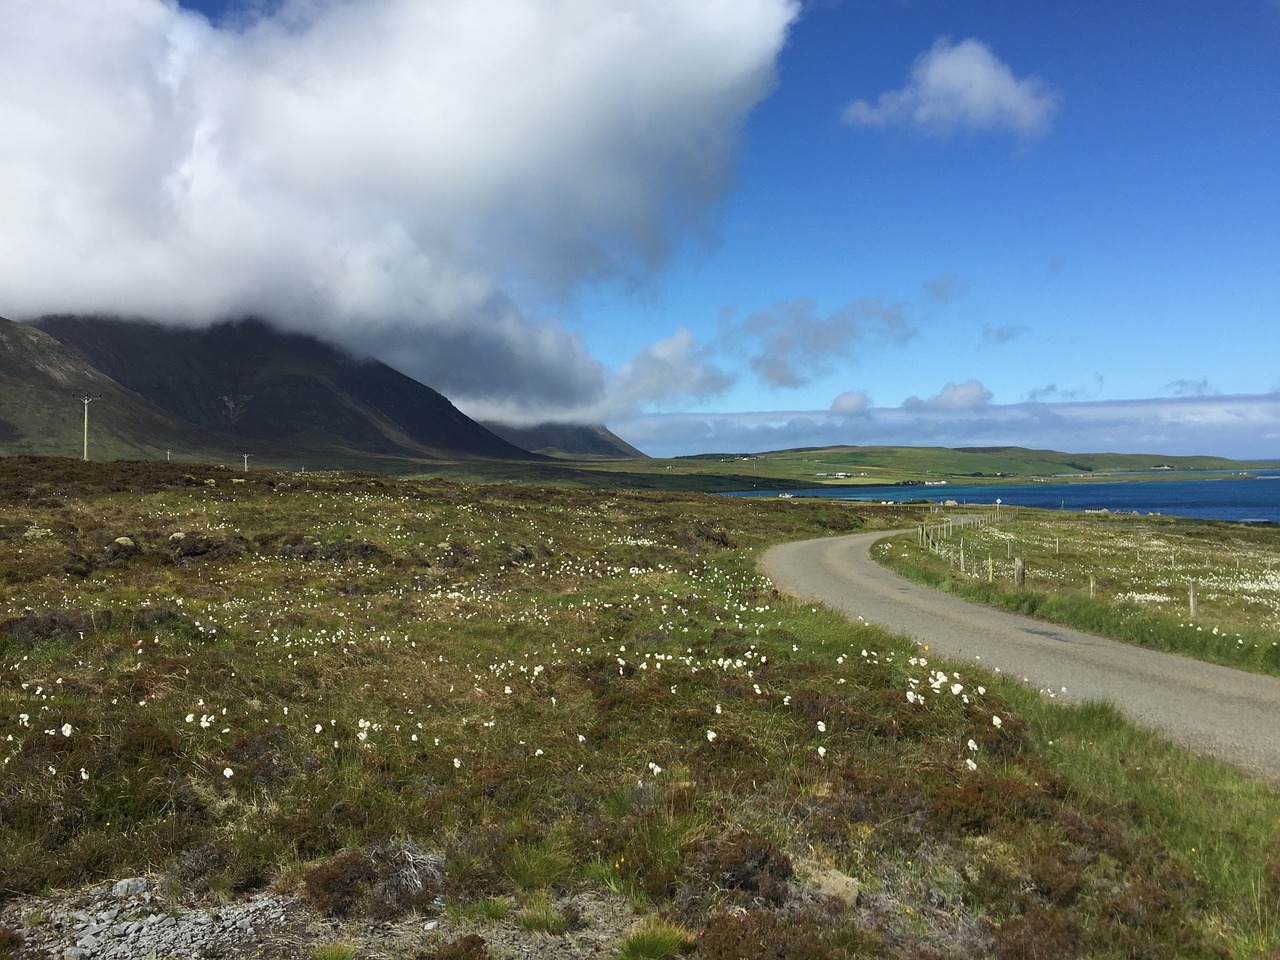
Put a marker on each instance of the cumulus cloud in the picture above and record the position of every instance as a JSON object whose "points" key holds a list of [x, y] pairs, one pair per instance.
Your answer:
{"points": [[1002, 333], [944, 288], [960, 86], [1190, 388], [792, 342], [675, 367], [851, 403], [954, 396], [410, 176], [1052, 392]]}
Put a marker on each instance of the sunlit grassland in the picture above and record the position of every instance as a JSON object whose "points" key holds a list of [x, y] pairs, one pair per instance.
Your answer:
{"points": [[1143, 571], [288, 681]]}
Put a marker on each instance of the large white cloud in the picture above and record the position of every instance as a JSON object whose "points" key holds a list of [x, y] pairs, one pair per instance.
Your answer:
{"points": [[371, 171], [960, 86]]}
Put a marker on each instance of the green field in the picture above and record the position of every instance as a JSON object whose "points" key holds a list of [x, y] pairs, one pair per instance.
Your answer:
{"points": [[830, 466], [1124, 576], [240, 682]]}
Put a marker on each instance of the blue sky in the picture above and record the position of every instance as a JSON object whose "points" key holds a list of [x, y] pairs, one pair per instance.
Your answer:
{"points": [[715, 225]]}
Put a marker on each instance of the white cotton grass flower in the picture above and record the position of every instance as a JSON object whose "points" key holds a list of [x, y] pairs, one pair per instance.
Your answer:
{"points": [[457, 764], [970, 764], [996, 721], [822, 726], [972, 745], [228, 772], [66, 729], [711, 736], [822, 752]]}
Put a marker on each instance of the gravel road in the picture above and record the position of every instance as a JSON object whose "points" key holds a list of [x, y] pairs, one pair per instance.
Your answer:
{"points": [[1211, 710]]}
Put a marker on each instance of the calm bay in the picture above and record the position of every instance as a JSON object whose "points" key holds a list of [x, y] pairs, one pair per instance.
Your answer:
{"points": [[1252, 498]]}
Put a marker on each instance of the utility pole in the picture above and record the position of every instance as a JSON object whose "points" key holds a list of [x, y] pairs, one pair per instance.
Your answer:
{"points": [[86, 400], [246, 461]]}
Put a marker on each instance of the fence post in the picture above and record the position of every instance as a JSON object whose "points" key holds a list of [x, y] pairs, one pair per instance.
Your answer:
{"points": [[1019, 572], [991, 569], [1192, 601], [1093, 586]]}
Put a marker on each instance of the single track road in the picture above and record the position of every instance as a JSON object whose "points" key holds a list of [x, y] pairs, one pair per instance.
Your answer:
{"points": [[1211, 710]]}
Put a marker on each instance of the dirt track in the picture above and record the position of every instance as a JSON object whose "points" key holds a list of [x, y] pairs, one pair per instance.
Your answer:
{"points": [[1213, 710]]}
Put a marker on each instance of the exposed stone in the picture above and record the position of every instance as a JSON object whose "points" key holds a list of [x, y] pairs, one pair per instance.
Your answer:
{"points": [[274, 925], [131, 886], [831, 882]]}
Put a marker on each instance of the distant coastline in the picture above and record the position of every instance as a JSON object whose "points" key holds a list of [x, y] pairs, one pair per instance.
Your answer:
{"points": [[1212, 495]]}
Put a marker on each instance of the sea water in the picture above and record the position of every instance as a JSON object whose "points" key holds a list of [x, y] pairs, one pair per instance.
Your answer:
{"points": [[1252, 498]]}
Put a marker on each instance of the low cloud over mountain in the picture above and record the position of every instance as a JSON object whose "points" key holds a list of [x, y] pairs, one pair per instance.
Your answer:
{"points": [[416, 179]]}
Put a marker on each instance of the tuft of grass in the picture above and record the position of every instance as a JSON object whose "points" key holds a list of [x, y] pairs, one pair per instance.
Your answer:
{"points": [[540, 915], [337, 950], [541, 864], [655, 938]]}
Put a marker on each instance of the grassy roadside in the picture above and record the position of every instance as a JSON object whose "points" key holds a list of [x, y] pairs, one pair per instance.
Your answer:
{"points": [[1122, 576], [517, 691]]}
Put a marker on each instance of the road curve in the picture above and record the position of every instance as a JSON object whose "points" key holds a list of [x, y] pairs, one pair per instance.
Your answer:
{"points": [[1211, 710]]}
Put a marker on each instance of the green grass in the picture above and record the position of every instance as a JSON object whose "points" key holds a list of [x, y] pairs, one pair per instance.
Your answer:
{"points": [[488, 696], [539, 915], [333, 951], [1122, 576], [653, 938]]}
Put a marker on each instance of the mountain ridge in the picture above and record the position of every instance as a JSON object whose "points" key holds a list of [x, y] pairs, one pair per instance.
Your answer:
{"points": [[246, 380]]}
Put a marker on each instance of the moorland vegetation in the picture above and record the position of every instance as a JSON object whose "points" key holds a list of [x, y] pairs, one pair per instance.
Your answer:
{"points": [[465, 702]]}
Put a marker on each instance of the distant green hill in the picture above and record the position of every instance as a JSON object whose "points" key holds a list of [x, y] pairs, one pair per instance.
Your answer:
{"points": [[868, 465]]}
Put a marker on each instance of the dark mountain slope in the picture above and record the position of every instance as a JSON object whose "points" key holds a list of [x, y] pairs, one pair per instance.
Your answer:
{"points": [[575, 440], [254, 382], [41, 383]]}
